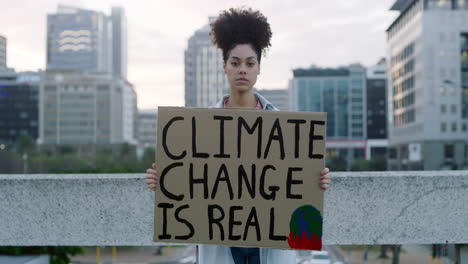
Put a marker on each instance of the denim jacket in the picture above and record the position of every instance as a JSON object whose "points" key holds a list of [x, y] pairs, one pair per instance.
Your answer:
{"points": [[212, 254]]}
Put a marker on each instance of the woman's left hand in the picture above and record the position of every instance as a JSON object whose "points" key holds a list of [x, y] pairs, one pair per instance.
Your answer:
{"points": [[325, 179]]}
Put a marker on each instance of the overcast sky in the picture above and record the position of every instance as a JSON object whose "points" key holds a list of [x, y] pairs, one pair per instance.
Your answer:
{"points": [[305, 32]]}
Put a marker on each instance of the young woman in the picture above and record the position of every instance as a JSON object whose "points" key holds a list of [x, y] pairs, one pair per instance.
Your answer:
{"points": [[242, 35]]}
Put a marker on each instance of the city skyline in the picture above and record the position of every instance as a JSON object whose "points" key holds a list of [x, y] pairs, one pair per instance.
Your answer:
{"points": [[332, 34]]}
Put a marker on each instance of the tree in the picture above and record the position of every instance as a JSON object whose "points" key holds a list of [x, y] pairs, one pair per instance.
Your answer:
{"points": [[58, 255], [337, 163], [376, 164], [361, 165], [25, 144]]}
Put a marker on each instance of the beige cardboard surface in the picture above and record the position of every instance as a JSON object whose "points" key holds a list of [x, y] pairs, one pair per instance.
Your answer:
{"points": [[220, 184]]}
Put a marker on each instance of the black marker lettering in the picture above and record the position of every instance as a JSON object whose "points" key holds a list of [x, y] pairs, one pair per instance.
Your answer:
{"points": [[250, 185], [221, 136], [164, 140], [222, 170], [272, 189], [275, 134], [217, 221], [204, 181], [290, 182], [163, 185], [196, 154], [252, 220], [297, 134], [313, 137], [165, 206], [258, 124], [232, 223], [272, 235], [187, 223]]}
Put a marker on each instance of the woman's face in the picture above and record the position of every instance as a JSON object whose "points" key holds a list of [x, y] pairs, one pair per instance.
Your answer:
{"points": [[242, 68]]}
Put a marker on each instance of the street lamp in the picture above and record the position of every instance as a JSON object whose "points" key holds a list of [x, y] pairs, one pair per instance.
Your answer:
{"points": [[25, 163]]}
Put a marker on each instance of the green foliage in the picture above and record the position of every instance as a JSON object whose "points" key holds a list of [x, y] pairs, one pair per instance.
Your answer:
{"points": [[58, 255], [66, 159], [25, 144], [336, 163], [361, 165], [377, 164]]}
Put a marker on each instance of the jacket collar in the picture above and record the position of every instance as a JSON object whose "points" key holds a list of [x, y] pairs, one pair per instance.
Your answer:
{"points": [[267, 105]]}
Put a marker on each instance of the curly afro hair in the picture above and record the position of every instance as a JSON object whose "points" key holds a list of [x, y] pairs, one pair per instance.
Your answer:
{"points": [[241, 26]]}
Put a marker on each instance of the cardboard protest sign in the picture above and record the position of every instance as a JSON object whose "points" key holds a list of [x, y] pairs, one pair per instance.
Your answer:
{"points": [[240, 177]]}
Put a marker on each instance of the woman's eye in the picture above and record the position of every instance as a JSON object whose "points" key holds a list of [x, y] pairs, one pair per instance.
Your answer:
{"points": [[234, 63], [250, 64]]}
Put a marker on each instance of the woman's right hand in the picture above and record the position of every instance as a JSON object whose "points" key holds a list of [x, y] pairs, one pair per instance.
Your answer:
{"points": [[152, 178]]}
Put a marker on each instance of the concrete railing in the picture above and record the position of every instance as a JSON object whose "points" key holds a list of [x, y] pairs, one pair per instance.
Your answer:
{"points": [[406, 207]]}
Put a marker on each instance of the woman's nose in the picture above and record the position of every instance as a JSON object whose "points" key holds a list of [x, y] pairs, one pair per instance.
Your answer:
{"points": [[242, 69]]}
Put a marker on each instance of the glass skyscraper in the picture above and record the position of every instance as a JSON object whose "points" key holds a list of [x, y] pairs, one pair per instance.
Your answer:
{"points": [[18, 106], [2, 54], [87, 41], [119, 43], [205, 82], [338, 92], [341, 93], [79, 39]]}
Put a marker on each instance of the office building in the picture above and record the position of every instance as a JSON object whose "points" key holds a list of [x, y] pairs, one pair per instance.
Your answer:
{"points": [[341, 93], [278, 97], [147, 128], [3, 54], [376, 86], [205, 81], [18, 106], [80, 109], [119, 43], [87, 41], [427, 54]]}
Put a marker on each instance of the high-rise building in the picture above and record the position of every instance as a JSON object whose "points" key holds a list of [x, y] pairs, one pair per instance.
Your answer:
{"points": [[427, 54], [3, 54], [77, 108], [18, 105], [147, 128], [376, 110], [87, 41], [205, 81], [278, 97], [341, 93], [119, 42]]}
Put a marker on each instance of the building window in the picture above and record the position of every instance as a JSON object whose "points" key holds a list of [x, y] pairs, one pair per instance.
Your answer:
{"points": [[443, 109], [464, 74], [358, 153], [442, 91], [461, 4], [449, 151], [466, 151], [443, 127], [442, 36], [454, 127], [452, 91], [442, 73], [453, 109], [392, 153], [464, 127]]}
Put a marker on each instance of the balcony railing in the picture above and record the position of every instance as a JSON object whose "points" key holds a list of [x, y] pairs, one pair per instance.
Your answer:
{"points": [[405, 207]]}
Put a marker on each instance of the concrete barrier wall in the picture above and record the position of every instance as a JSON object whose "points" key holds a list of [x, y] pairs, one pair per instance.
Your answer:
{"points": [[117, 209]]}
